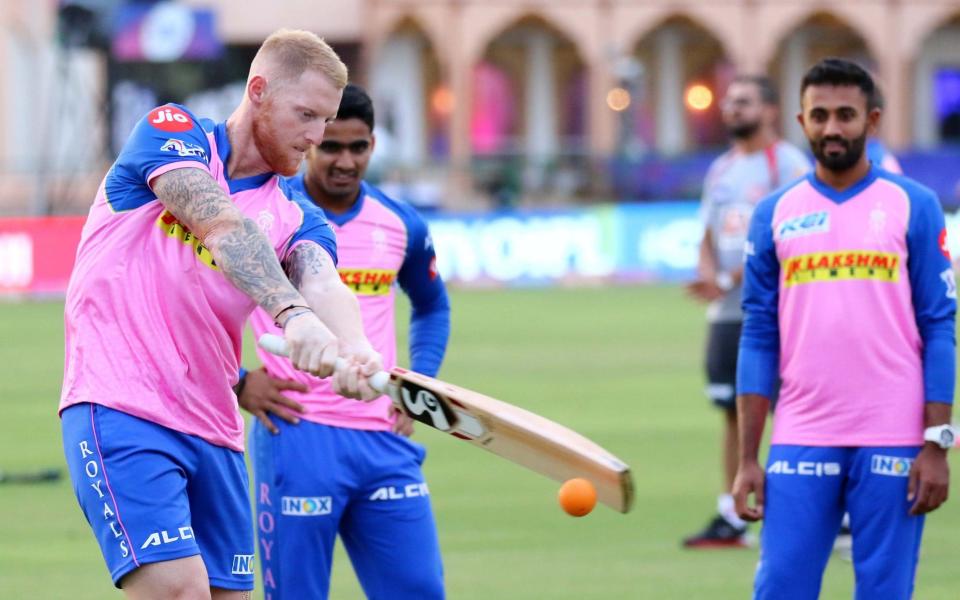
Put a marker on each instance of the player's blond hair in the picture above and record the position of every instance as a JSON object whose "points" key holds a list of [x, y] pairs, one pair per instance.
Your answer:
{"points": [[287, 53]]}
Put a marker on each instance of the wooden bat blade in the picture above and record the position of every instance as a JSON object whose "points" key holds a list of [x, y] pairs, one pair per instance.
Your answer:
{"points": [[522, 437]]}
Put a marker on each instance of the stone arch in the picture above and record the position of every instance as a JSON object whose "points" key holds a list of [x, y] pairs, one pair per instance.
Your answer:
{"points": [[936, 83], [817, 35], [538, 68], [673, 55], [406, 77]]}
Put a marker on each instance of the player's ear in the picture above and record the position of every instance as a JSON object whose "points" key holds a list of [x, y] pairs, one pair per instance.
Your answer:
{"points": [[373, 142], [257, 89], [873, 121], [800, 119]]}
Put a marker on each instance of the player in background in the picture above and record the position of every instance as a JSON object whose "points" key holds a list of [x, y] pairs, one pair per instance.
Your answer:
{"points": [[756, 164], [370, 488], [849, 295], [193, 228], [877, 152]]}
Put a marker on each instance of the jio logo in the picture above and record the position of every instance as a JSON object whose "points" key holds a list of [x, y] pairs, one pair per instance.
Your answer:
{"points": [[170, 118]]}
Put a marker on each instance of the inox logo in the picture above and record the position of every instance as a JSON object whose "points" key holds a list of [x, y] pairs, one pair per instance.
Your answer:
{"points": [[306, 506]]}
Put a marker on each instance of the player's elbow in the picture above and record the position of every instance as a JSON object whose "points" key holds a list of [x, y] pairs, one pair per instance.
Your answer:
{"points": [[225, 228]]}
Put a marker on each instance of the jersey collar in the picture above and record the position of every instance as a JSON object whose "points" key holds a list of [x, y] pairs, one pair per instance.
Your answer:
{"points": [[343, 218], [223, 151], [850, 192]]}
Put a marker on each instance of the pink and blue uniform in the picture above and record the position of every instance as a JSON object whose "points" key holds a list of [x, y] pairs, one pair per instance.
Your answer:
{"points": [[850, 297], [151, 429], [369, 487]]}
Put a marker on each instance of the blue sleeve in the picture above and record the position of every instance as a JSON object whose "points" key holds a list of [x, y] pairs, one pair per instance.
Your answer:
{"points": [[934, 291], [759, 355], [420, 281], [314, 228], [167, 134]]}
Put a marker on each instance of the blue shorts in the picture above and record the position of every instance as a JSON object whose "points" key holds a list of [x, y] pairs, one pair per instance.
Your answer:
{"points": [[153, 494], [807, 490], [314, 481]]}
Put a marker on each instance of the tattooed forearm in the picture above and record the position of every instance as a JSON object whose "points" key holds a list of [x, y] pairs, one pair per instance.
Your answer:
{"points": [[305, 260], [242, 253]]}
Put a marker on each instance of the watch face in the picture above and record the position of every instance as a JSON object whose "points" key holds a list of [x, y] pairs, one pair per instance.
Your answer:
{"points": [[947, 438]]}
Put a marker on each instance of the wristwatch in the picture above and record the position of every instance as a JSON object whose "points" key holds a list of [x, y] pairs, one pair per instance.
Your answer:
{"points": [[942, 435], [724, 281]]}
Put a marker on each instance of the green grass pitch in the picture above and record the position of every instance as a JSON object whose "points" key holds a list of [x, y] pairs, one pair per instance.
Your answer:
{"points": [[621, 366]]}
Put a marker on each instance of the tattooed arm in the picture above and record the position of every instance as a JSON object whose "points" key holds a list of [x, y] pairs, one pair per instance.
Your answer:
{"points": [[247, 259], [312, 271]]}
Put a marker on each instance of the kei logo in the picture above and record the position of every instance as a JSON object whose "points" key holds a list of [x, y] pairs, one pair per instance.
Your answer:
{"points": [[170, 118]]}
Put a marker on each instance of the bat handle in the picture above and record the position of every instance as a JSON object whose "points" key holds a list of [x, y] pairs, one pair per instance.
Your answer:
{"points": [[274, 344]]}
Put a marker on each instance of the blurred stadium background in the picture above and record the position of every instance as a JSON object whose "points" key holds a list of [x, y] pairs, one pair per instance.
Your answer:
{"points": [[553, 145]]}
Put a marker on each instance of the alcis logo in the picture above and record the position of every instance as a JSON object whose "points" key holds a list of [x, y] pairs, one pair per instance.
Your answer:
{"points": [[164, 537], [805, 468], [396, 492]]}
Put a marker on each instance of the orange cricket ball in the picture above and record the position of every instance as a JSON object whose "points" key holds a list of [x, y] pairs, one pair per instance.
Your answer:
{"points": [[577, 497]]}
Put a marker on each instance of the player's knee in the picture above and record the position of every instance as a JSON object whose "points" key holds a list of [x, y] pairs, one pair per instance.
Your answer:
{"points": [[422, 585], [782, 580], [172, 580]]}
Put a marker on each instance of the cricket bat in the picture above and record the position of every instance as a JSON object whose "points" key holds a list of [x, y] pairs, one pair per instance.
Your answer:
{"points": [[508, 431]]}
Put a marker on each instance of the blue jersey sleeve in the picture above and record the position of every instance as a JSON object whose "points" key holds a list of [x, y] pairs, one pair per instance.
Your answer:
{"points": [[759, 355], [420, 281], [933, 289], [314, 228], [167, 134]]}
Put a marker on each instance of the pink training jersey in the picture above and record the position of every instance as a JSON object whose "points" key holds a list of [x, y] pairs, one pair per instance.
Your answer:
{"points": [[380, 242], [858, 287], [153, 328]]}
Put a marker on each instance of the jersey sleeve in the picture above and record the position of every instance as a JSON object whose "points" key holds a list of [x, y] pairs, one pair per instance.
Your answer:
{"points": [[759, 355], [167, 138], [707, 206], [314, 227], [934, 293], [792, 163], [420, 281]]}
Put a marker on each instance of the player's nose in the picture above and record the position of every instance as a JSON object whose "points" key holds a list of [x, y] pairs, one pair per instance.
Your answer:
{"points": [[832, 127], [344, 159], [315, 134]]}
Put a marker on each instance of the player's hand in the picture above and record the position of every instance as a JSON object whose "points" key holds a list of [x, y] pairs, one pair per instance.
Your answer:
{"points": [[262, 394], [313, 347], [362, 362], [749, 480], [929, 480], [704, 290], [404, 424]]}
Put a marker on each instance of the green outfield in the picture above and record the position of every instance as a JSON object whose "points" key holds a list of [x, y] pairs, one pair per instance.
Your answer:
{"points": [[622, 366]]}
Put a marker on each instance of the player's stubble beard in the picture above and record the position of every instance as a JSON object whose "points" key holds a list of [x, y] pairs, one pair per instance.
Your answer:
{"points": [[839, 163], [743, 131], [271, 150]]}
